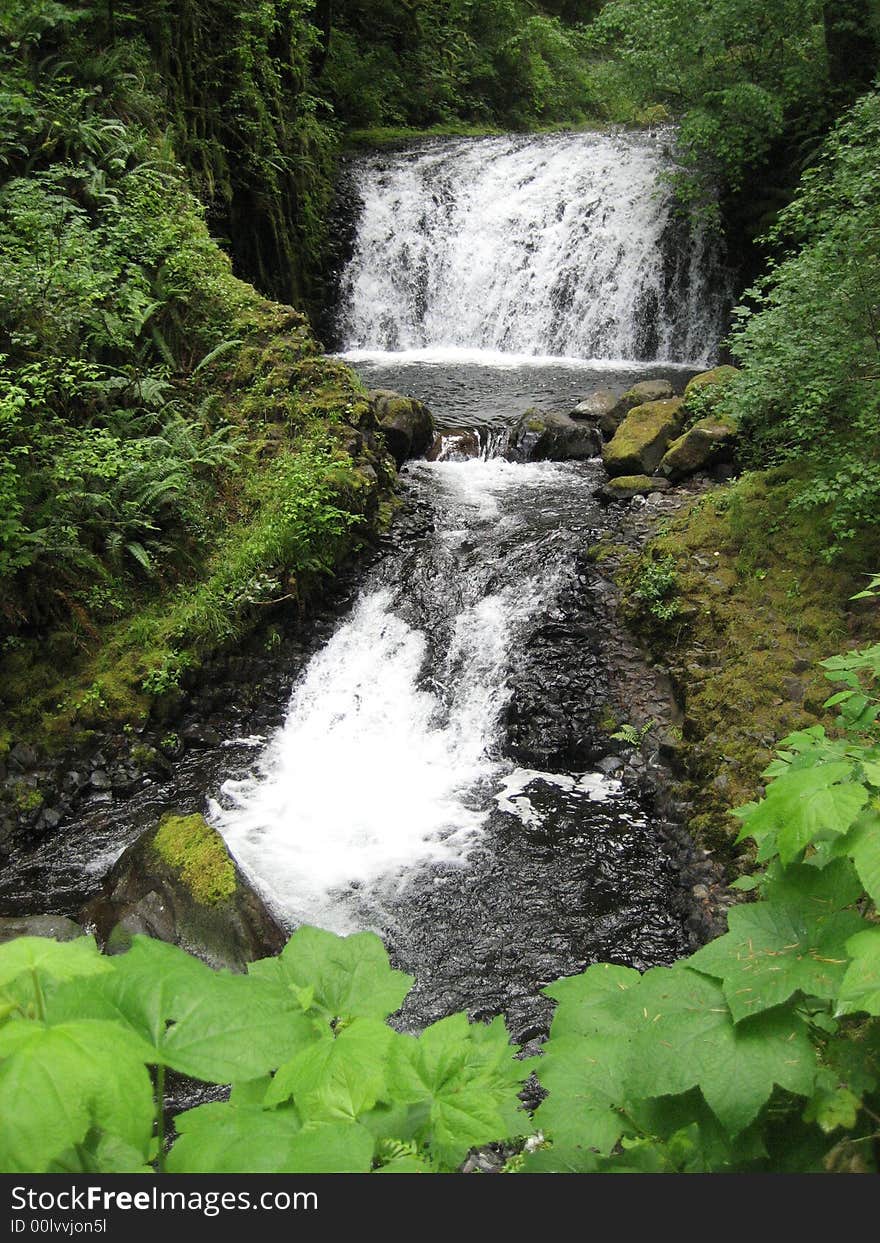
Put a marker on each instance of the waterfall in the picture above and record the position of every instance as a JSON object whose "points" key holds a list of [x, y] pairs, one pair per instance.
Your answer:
{"points": [[562, 245]]}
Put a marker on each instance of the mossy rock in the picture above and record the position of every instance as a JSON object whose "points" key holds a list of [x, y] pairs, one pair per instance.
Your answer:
{"points": [[643, 437], [179, 883], [709, 379], [709, 440], [625, 487], [544, 437], [639, 395], [407, 424]]}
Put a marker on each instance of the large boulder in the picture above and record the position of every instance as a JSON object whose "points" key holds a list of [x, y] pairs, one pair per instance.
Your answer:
{"points": [[710, 379], [639, 395], [539, 437], [179, 883], [596, 406], [643, 437], [407, 424], [710, 440]]}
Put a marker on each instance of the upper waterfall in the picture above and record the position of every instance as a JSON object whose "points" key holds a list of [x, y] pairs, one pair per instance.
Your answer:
{"points": [[559, 244]]}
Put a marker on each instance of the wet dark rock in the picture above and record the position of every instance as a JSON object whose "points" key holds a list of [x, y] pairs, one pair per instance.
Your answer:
{"points": [[58, 927], [22, 757], [407, 424], [99, 779], [179, 883], [539, 437]]}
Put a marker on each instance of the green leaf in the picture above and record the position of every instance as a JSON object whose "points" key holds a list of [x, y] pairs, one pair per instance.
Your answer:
{"points": [[351, 976], [464, 1080], [62, 960], [337, 1079], [862, 844], [211, 1025], [223, 1138], [860, 990], [686, 1037], [831, 1108], [588, 1002], [57, 1083], [774, 950], [585, 1079], [826, 889]]}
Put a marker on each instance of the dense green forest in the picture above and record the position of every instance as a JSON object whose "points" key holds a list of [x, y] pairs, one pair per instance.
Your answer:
{"points": [[177, 456]]}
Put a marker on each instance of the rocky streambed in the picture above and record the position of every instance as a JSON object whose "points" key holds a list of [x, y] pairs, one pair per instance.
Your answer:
{"points": [[557, 839]]}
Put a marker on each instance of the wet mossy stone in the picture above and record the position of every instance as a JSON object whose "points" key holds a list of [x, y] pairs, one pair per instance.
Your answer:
{"points": [[625, 487], [179, 883], [643, 437], [639, 395], [710, 440], [407, 424], [541, 437], [710, 379]]}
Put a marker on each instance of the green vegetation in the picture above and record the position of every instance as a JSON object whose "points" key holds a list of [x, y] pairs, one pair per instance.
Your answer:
{"points": [[759, 1052], [188, 844]]}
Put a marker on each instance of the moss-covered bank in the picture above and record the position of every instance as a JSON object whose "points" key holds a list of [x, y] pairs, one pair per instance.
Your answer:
{"points": [[734, 598]]}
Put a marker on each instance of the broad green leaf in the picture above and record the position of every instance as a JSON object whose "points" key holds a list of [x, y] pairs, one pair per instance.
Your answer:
{"points": [[62, 960], [224, 1139], [860, 990], [350, 976], [465, 1079], [833, 1107], [774, 950], [804, 803], [862, 844], [818, 889], [211, 1025], [686, 1037], [585, 1079], [588, 1002], [337, 1079], [57, 1083]]}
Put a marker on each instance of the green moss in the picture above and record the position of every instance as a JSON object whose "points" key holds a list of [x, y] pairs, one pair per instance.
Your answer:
{"points": [[709, 379], [640, 441], [195, 850], [757, 610], [26, 798]]}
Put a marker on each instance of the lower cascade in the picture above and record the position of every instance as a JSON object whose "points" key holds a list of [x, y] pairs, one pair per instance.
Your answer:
{"points": [[554, 245], [418, 786]]}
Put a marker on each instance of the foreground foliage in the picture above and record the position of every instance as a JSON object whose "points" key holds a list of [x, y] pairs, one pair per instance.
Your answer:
{"points": [[759, 1052]]}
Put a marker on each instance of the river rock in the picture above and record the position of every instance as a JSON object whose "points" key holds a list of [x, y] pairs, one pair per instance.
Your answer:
{"points": [[643, 437], [625, 487], [539, 437], [179, 883], [707, 442], [710, 379], [639, 395], [596, 407], [454, 447], [58, 927], [407, 424]]}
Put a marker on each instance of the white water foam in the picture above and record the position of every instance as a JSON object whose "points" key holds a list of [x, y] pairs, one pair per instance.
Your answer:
{"points": [[562, 245], [373, 774]]}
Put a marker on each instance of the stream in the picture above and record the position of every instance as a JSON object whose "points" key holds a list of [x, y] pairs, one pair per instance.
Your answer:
{"points": [[431, 762]]}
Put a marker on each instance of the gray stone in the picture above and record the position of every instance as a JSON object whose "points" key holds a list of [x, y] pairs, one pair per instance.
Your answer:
{"points": [[185, 888], [58, 927], [407, 424], [539, 437]]}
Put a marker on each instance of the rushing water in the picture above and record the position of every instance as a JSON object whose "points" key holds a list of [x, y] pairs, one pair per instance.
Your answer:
{"points": [[390, 798], [438, 773], [561, 245]]}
